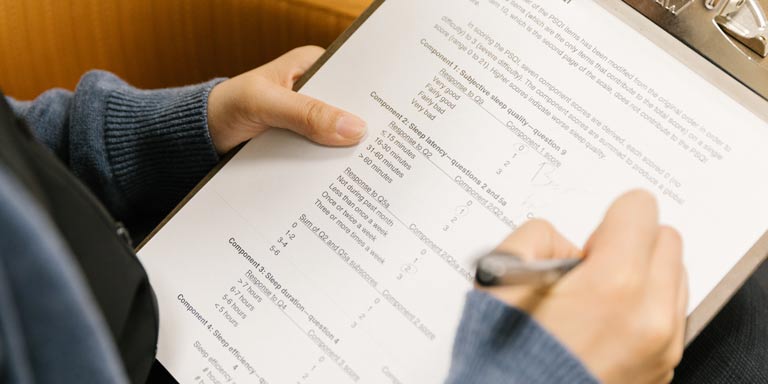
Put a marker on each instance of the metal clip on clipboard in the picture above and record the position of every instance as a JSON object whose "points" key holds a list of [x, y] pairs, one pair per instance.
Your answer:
{"points": [[674, 6], [744, 20]]}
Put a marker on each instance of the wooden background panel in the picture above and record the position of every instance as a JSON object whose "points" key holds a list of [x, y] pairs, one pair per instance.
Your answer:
{"points": [[352, 8], [155, 43]]}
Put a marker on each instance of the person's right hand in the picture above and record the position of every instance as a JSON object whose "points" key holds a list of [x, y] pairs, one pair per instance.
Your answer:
{"points": [[623, 310]]}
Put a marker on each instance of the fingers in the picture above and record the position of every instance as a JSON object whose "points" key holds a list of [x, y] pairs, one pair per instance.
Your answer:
{"points": [[668, 292], [536, 240], [627, 236], [311, 118], [288, 68], [667, 377], [678, 341], [683, 294], [667, 270], [314, 119]]}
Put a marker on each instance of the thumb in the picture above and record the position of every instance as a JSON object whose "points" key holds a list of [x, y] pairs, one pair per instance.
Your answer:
{"points": [[309, 117], [535, 240], [538, 240]]}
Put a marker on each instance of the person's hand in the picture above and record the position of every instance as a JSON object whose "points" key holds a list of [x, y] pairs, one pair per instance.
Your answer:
{"points": [[243, 107], [623, 310]]}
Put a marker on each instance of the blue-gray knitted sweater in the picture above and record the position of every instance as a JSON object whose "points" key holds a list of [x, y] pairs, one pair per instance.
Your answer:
{"points": [[140, 151]]}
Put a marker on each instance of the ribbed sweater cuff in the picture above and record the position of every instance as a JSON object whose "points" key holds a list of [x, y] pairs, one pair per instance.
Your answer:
{"points": [[496, 343], [158, 143]]}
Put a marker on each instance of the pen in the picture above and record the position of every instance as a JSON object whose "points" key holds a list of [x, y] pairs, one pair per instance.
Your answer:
{"points": [[497, 269]]}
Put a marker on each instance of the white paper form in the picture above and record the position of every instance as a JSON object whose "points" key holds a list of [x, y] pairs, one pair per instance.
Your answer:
{"points": [[303, 264]]}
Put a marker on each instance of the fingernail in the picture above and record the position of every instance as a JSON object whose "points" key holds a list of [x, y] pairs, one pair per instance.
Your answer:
{"points": [[351, 127]]}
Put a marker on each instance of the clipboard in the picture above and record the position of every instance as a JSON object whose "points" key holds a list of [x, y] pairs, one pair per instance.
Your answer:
{"points": [[699, 28], [699, 318]]}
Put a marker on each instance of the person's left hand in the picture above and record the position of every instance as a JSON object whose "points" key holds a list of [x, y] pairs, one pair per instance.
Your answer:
{"points": [[243, 107]]}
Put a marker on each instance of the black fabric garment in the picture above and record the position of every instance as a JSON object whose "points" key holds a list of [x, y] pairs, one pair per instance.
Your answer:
{"points": [[101, 247], [734, 346]]}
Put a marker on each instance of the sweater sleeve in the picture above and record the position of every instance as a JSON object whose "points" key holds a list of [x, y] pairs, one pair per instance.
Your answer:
{"points": [[139, 151], [496, 343]]}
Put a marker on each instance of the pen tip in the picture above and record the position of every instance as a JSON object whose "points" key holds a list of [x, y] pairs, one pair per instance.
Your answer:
{"points": [[484, 278]]}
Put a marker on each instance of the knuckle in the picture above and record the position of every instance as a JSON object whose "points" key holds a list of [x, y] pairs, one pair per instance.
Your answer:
{"points": [[671, 236], [672, 357], [527, 239], [642, 197], [540, 225], [637, 207], [675, 352], [621, 286], [657, 331], [313, 116]]}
